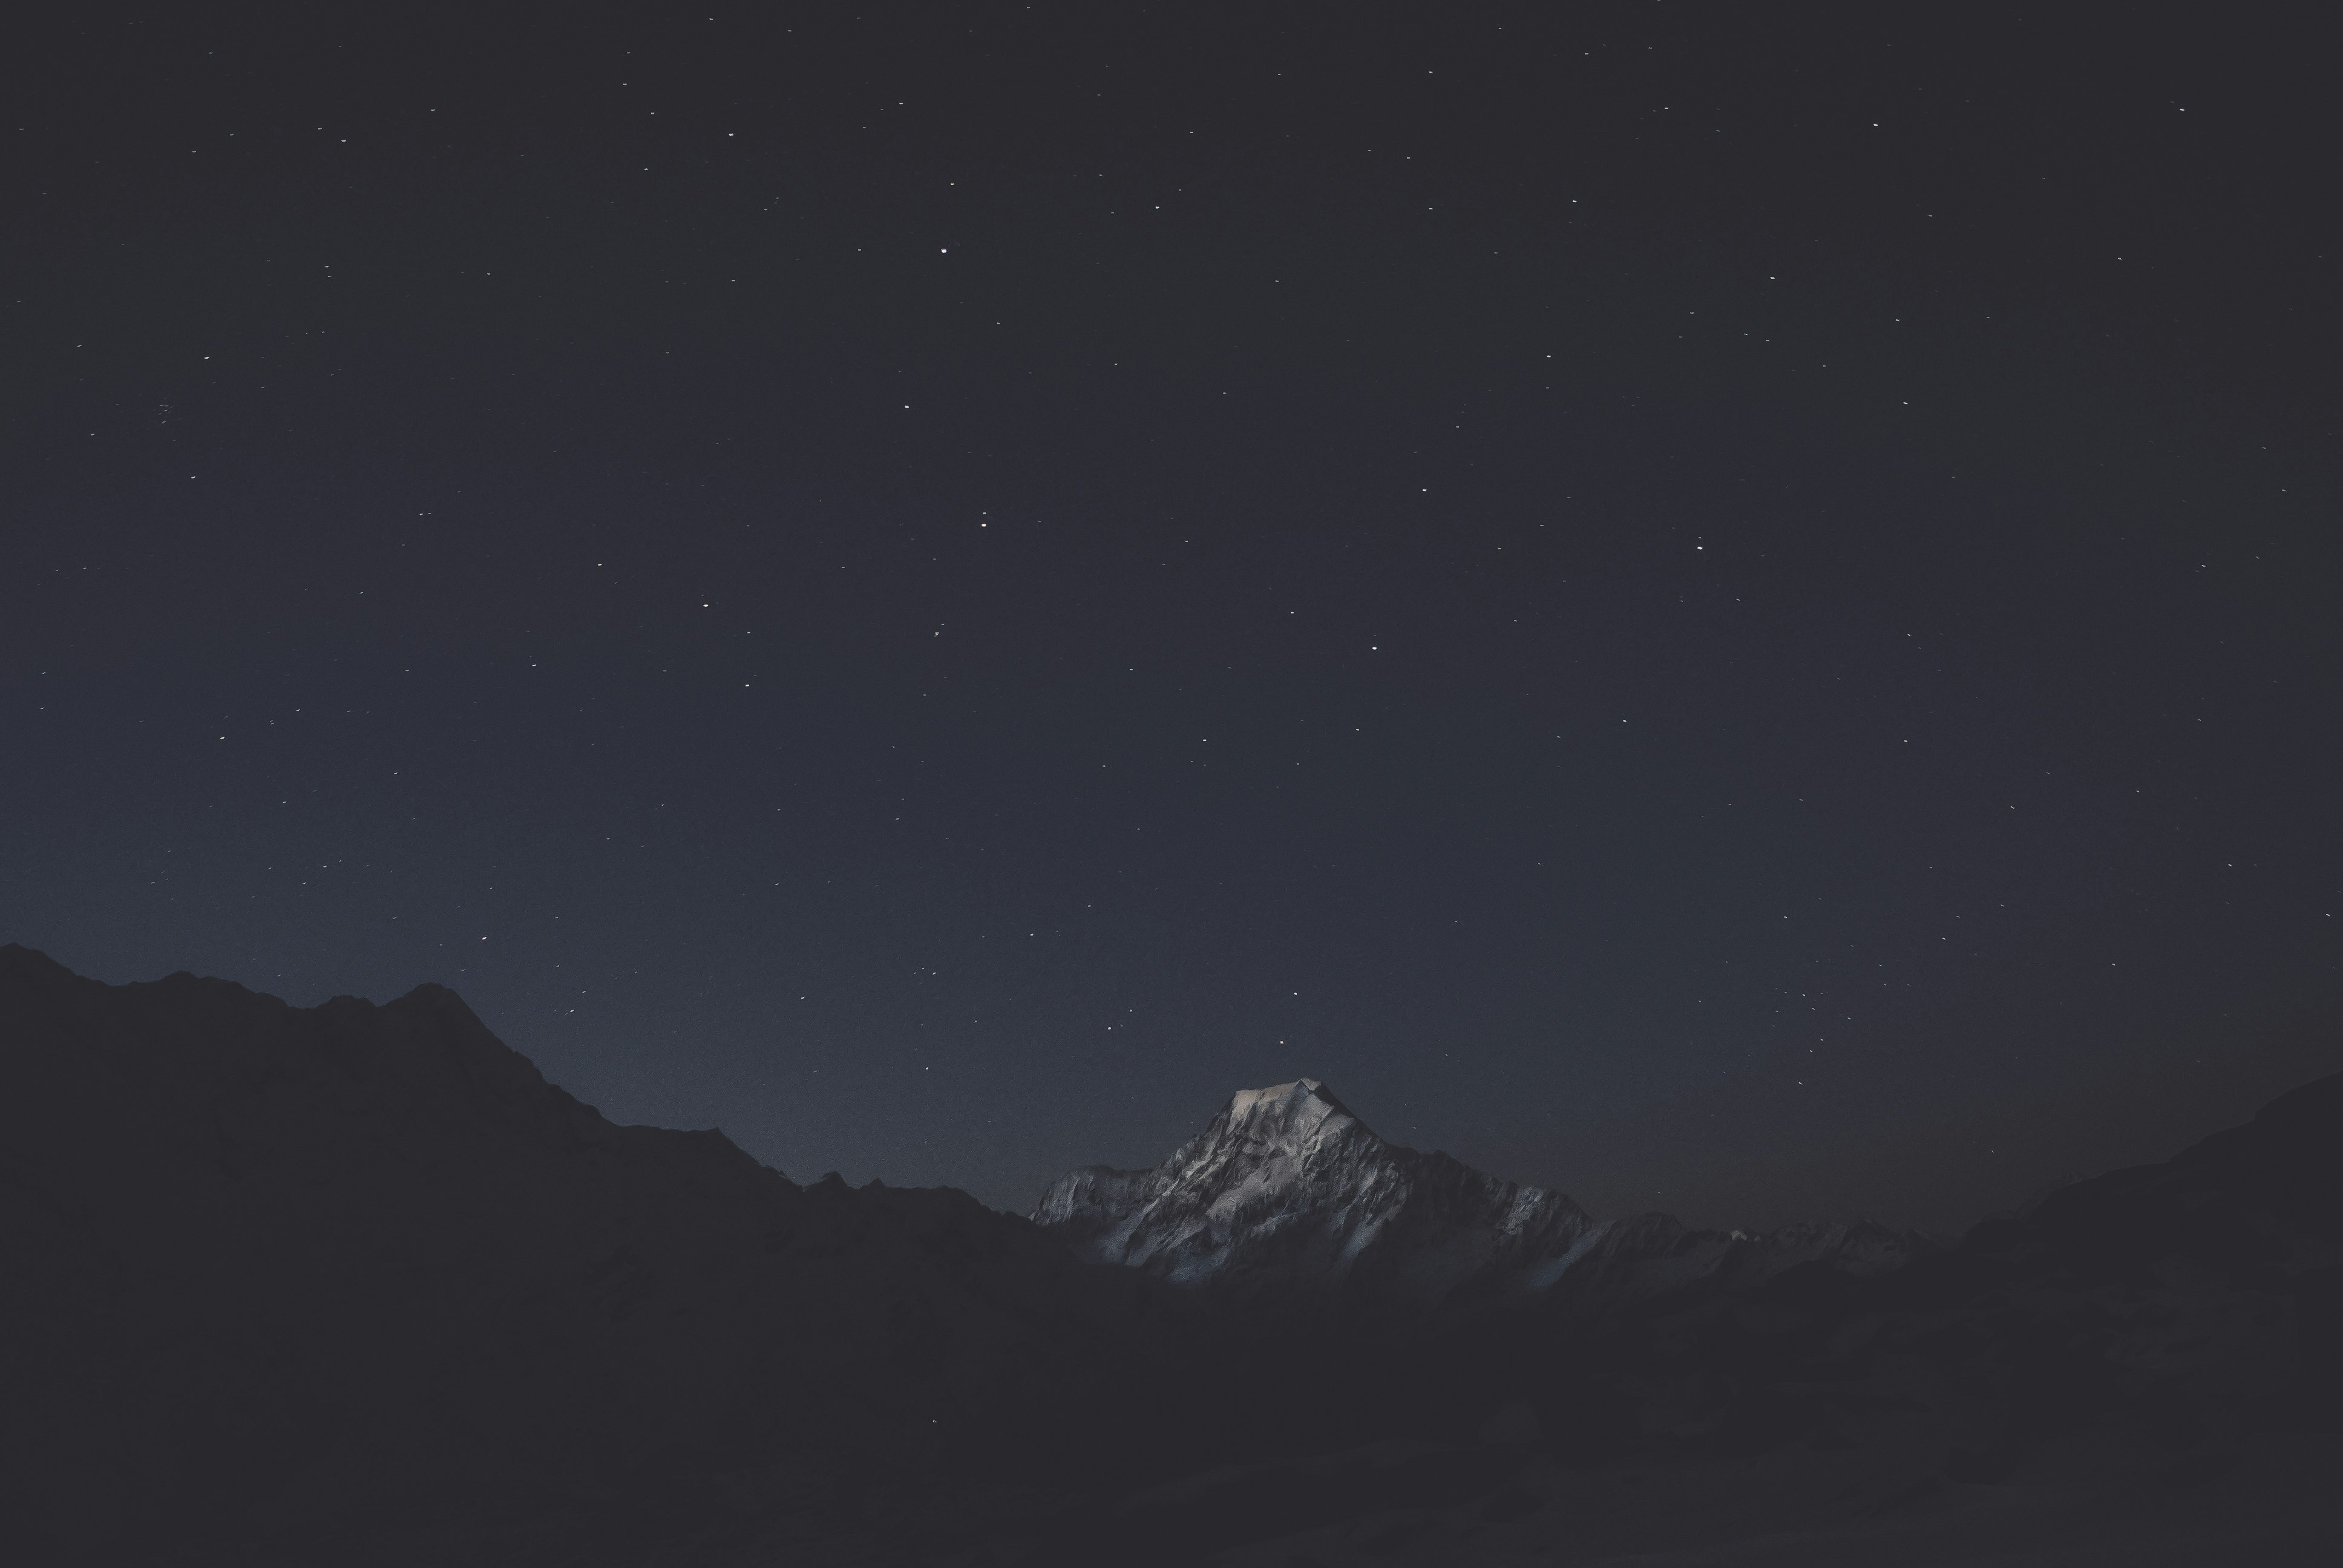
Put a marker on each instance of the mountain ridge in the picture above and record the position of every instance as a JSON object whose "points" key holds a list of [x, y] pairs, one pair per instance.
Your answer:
{"points": [[1287, 1192]]}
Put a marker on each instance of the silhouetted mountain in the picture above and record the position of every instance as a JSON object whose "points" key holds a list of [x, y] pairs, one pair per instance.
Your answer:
{"points": [[1286, 1198], [2199, 1296], [271, 1269]]}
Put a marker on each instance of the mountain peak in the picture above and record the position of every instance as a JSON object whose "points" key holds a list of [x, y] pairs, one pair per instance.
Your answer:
{"points": [[1286, 1192], [1286, 1186], [1305, 1104]]}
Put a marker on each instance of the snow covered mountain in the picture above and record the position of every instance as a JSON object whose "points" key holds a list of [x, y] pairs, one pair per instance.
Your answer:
{"points": [[1286, 1187], [1288, 1193]]}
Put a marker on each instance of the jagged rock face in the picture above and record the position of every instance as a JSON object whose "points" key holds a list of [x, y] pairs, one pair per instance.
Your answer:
{"points": [[1287, 1188], [1288, 1193]]}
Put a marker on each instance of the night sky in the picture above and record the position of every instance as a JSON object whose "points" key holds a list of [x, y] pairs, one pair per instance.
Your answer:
{"points": [[1728, 609]]}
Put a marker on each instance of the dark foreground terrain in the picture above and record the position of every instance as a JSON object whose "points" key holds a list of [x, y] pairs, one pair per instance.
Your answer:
{"points": [[355, 1285]]}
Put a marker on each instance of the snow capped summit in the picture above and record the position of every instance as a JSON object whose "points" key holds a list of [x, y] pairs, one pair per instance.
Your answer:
{"points": [[1304, 1102], [1286, 1187], [1286, 1191]]}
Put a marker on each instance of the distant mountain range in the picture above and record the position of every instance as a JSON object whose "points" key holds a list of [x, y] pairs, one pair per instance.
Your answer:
{"points": [[1287, 1196], [354, 1283]]}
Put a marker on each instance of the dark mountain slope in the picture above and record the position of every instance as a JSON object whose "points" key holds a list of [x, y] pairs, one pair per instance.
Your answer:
{"points": [[2256, 1206], [2149, 1321], [271, 1269]]}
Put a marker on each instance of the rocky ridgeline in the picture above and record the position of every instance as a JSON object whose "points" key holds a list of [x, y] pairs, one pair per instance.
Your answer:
{"points": [[1287, 1194]]}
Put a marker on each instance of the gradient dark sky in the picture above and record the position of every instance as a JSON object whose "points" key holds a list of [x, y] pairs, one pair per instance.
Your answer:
{"points": [[1729, 612]]}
